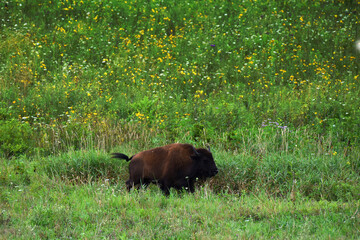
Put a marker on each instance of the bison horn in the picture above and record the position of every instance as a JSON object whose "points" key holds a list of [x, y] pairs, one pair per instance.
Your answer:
{"points": [[196, 152], [208, 147]]}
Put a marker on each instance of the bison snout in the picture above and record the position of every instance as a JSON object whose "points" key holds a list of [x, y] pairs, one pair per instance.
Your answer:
{"points": [[214, 172]]}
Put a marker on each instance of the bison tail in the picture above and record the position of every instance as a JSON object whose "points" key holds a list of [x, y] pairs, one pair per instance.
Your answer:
{"points": [[121, 155]]}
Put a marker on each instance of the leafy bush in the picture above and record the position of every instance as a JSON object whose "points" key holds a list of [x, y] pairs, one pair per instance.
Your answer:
{"points": [[15, 138]]}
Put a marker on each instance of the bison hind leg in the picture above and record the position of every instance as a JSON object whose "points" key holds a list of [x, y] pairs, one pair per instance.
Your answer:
{"points": [[129, 184], [138, 184], [144, 183], [164, 188]]}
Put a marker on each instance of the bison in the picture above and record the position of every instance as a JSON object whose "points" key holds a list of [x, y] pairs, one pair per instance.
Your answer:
{"points": [[172, 166]]}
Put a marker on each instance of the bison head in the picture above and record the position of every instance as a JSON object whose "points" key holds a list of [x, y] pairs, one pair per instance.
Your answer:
{"points": [[204, 162]]}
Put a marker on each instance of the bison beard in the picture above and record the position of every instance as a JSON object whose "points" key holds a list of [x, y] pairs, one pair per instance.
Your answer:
{"points": [[171, 166]]}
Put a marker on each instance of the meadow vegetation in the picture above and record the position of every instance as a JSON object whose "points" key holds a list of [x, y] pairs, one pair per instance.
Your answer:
{"points": [[271, 86]]}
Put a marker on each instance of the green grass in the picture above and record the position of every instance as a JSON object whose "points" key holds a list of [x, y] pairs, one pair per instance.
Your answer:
{"points": [[272, 86], [100, 210], [82, 194]]}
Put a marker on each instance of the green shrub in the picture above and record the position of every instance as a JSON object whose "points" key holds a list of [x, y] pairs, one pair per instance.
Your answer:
{"points": [[15, 138]]}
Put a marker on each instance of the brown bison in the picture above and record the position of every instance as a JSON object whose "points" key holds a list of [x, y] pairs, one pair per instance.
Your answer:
{"points": [[172, 166]]}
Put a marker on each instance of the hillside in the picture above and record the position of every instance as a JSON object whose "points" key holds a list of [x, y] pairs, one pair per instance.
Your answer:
{"points": [[183, 71]]}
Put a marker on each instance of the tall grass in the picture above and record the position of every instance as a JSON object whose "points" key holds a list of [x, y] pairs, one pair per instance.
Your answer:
{"points": [[279, 175]]}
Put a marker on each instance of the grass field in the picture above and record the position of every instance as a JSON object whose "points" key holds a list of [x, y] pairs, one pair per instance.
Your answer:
{"points": [[82, 195], [271, 86]]}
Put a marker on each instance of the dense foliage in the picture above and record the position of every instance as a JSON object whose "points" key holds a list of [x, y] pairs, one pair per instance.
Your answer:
{"points": [[182, 70]]}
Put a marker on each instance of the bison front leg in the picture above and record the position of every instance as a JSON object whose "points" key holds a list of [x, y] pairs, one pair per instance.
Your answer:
{"points": [[191, 186]]}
